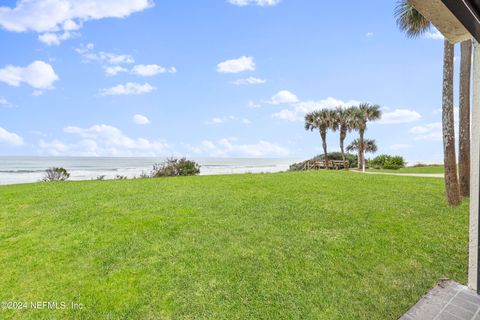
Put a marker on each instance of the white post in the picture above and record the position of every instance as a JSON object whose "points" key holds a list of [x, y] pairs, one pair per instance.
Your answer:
{"points": [[474, 170]]}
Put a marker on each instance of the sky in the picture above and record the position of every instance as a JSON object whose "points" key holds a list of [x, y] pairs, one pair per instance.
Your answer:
{"points": [[211, 78]]}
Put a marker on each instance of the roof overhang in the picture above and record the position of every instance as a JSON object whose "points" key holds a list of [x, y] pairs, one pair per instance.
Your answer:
{"points": [[457, 20]]}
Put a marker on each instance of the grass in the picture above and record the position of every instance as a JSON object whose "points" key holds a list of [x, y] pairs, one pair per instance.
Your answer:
{"points": [[431, 169], [302, 245]]}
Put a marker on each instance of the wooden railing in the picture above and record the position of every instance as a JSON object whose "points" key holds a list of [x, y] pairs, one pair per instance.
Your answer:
{"points": [[320, 164]]}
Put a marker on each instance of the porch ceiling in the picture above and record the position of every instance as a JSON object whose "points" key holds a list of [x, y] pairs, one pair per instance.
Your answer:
{"points": [[443, 19]]}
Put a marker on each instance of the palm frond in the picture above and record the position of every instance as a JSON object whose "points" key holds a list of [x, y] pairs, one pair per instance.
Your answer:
{"points": [[370, 145], [410, 20]]}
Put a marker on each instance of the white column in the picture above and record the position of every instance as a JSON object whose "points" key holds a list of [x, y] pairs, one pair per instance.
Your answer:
{"points": [[474, 169]]}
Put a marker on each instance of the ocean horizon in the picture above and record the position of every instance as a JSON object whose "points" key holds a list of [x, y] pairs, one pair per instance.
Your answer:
{"points": [[29, 169]]}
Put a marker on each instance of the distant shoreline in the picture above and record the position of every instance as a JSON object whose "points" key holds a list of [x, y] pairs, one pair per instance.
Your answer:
{"points": [[30, 169]]}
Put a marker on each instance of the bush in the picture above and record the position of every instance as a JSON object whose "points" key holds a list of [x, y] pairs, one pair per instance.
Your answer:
{"points": [[296, 166], [386, 161], [175, 167], [144, 175], [422, 165], [56, 174]]}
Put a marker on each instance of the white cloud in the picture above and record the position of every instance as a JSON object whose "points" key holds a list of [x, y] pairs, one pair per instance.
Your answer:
{"points": [[112, 62], [241, 64], [10, 138], [55, 19], [39, 75], [88, 55], [328, 103], [400, 146], [216, 120], [114, 70], [130, 88], [369, 34], [83, 49], [54, 39], [103, 140], [262, 3], [300, 108], [400, 116], [288, 115], [4, 103], [284, 97], [53, 148], [151, 70], [140, 119], [110, 58], [435, 35], [253, 104], [428, 132], [249, 81], [220, 120], [230, 148]]}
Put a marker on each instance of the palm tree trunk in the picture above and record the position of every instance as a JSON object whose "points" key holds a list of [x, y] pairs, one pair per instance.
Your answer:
{"points": [[361, 151], [359, 164], [323, 134], [451, 180], [464, 134], [343, 135]]}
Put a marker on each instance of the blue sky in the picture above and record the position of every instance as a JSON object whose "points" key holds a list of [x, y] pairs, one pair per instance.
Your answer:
{"points": [[220, 78]]}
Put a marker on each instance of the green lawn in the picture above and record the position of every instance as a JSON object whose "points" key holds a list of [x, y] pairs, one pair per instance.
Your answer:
{"points": [[424, 170], [303, 245]]}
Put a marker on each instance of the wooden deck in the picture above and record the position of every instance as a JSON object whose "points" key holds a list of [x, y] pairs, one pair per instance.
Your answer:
{"points": [[332, 164]]}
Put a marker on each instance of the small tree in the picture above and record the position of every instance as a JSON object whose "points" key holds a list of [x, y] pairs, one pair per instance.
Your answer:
{"points": [[369, 146], [56, 174], [175, 167]]}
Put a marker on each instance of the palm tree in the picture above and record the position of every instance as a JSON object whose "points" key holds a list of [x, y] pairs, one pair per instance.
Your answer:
{"points": [[464, 128], [343, 123], [370, 146], [448, 127], [321, 120], [359, 118], [414, 24]]}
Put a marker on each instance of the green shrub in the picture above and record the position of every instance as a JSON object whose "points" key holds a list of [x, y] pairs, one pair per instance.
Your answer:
{"points": [[386, 161], [56, 174], [420, 165], [144, 175], [296, 166], [175, 167]]}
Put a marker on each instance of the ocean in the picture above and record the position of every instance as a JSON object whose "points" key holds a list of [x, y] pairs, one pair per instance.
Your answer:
{"points": [[15, 170]]}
